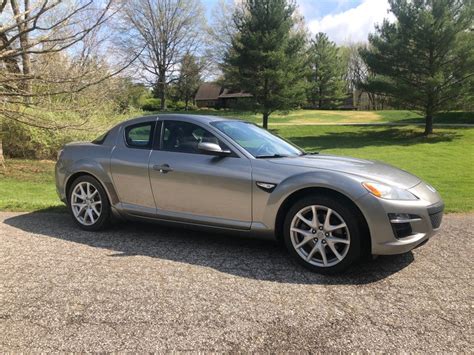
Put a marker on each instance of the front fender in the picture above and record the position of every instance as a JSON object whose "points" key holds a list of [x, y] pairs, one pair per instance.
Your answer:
{"points": [[348, 185]]}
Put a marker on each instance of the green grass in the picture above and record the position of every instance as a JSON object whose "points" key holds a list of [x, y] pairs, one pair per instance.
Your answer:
{"points": [[28, 185], [302, 117], [445, 160]]}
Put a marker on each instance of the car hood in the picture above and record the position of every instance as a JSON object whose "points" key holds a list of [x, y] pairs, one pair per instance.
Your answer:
{"points": [[367, 169]]}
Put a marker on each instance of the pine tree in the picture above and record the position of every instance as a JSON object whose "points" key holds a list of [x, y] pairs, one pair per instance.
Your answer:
{"points": [[326, 74], [424, 60], [266, 58]]}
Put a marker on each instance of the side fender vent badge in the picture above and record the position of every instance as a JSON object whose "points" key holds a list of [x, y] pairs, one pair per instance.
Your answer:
{"points": [[266, 186]]}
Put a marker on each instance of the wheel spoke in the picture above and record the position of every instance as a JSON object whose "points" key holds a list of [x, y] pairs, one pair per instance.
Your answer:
{"points": [[334, 250], [79, 196], [301, 231], [312, 252], [327, 219], [83, 211], [333, 228], [81, 207], [93, 194], [322, 251], [304, 220], [91, 216], [315, 222], [95, 210], [83, 193], [335, 240], [304, 241]]}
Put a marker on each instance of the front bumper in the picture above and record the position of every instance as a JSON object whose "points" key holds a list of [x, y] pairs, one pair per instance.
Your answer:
{"points": [[420, 220]]}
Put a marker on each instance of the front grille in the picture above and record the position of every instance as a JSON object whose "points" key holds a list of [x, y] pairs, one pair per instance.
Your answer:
{"points": [[436, 219]]}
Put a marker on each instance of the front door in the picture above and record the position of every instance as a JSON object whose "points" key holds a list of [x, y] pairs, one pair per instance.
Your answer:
{"points": [[190, 186]]}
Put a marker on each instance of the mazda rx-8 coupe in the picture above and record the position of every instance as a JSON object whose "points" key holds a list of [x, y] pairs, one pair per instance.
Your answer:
{"points": [[226, 174]]}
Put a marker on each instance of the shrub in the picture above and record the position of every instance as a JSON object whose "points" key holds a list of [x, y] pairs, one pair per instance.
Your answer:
{"points": [[22, 141], [151, 104]]}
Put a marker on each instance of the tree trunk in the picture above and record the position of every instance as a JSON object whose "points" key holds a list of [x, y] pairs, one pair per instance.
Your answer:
{"points": [[161, 86], [428, 124], [265, 120], [2, 158], [22, 23], [162, 97]]}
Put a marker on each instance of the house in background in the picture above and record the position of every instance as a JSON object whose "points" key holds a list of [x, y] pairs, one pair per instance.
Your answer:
{"points": [[215, 96]]}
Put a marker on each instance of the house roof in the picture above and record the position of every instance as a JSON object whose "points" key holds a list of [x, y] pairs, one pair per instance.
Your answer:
{"points": [[211, 91], [208, 91]]}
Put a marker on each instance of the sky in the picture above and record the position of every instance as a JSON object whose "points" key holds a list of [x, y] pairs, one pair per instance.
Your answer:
{"points": [[344, 21]]}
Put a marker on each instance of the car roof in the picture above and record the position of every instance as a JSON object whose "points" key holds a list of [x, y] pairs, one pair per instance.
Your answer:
{"points": [[184, 117]]}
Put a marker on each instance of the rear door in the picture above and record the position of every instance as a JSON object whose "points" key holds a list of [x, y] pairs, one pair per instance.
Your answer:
{"points": [[194, 187], [129, 166]]}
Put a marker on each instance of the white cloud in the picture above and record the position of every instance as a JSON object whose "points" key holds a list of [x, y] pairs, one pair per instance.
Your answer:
{"points": [[352, 25]]}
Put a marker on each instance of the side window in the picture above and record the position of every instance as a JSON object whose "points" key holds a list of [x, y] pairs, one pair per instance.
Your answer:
{"points": [[184, 137], [139, 135]]}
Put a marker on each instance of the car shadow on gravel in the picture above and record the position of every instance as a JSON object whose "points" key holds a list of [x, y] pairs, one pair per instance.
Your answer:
{"points": [[238, 255]]}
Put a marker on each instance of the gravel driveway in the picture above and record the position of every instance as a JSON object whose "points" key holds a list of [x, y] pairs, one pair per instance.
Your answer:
{"points": [[141, 287]]}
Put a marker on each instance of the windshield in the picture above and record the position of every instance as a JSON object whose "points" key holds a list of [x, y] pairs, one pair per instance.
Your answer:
{"points": [[257, 141]]}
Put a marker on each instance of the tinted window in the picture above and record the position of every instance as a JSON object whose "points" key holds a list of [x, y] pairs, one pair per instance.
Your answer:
{"points": [[184, 137], [139, 135]]}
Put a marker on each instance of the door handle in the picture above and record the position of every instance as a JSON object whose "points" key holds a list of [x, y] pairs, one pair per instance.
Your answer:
{"points": [[163, 169]]}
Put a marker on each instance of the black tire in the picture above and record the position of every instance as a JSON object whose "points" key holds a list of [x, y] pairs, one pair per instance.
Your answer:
{"points": [[353, 223], [105, 214]]}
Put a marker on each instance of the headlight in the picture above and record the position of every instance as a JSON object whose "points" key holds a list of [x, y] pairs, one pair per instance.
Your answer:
{"points": [[388, 192]]}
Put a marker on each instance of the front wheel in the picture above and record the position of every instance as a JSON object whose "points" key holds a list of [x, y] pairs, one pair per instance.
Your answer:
{"points": [[89, 204], [323, 234]]}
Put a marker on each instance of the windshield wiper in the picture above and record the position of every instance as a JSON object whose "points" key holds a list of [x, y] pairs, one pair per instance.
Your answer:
{"points": [[271, 156]]}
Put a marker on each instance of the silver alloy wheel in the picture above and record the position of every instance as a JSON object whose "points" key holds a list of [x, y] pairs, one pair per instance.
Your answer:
{"points": [[320, 236], [86, 203]]}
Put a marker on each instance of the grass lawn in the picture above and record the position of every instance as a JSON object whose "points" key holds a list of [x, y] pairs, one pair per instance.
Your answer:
{"points": [[301, 117], [445, 160], [28, 185]]}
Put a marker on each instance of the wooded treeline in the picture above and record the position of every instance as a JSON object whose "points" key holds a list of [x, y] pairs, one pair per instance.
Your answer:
{"points": [[63, 62]]}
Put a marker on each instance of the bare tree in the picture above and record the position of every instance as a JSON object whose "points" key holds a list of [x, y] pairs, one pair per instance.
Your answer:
{"points": [[34, 36], [220, 31], [162, 32], [357, 73]]}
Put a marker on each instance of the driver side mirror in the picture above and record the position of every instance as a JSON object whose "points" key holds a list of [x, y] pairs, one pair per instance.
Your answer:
{"points": [[213, 149]]}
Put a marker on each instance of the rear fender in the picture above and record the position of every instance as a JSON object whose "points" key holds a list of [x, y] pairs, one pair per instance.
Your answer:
{"points": [[99, 170]]}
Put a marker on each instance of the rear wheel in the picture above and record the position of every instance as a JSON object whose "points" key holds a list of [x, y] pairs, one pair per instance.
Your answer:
{"points": [[89, 204], [323, 234]]}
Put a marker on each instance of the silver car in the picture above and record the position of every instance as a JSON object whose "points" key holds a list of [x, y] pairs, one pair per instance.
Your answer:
{"points": [[224, 174]]}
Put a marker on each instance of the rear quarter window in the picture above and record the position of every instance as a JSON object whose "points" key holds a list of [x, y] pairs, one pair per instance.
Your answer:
{"points": [[140, 135]]}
